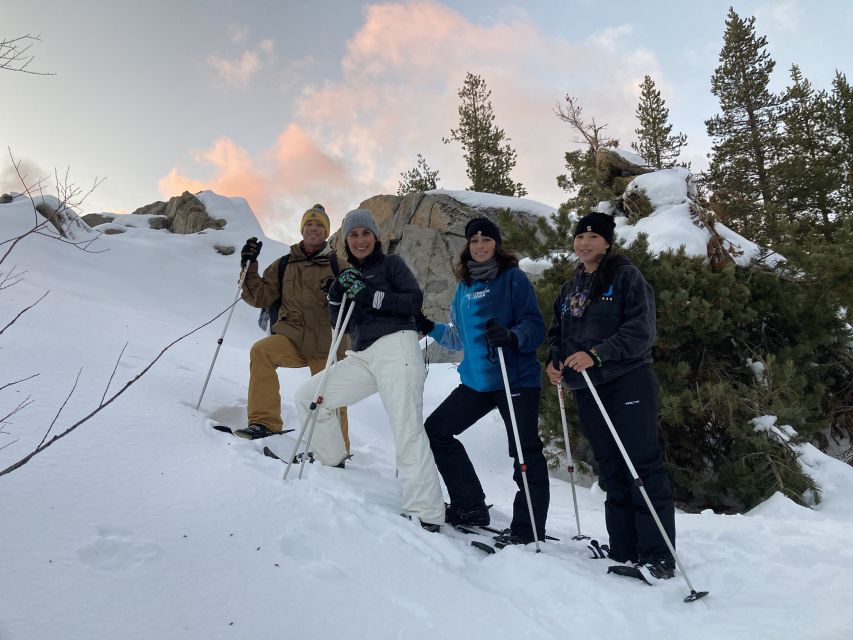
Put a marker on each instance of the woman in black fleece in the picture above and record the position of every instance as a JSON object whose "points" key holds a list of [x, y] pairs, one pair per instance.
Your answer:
{"points": [[604, 324]]}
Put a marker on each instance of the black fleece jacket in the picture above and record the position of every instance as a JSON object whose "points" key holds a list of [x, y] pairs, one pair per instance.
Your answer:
{"points": [[389, 304], [619, 324]]}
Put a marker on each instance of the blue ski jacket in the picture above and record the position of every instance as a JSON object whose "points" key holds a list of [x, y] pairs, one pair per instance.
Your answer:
{"points": [[510, 299]]}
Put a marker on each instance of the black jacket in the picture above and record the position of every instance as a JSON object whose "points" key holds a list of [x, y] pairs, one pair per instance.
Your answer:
{"points": [[619, 324], [389, 305]]}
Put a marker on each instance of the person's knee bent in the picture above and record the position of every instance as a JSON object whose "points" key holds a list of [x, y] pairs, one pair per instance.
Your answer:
{"points": [[304, 395], [259, 352], [438, 436]]}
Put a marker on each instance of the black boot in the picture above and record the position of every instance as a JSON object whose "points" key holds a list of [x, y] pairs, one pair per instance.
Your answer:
{"points": [[661, 568], [509, 537], [476, 516]]}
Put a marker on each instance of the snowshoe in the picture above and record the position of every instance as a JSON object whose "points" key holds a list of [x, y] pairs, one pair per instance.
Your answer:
{"points": [[254, 431]]}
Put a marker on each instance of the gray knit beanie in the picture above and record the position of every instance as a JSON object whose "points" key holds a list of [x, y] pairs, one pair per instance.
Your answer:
{"points": [[359, 218]]}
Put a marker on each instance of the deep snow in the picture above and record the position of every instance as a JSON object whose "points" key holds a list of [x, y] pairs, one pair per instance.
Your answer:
{"points": [[146, 523]]}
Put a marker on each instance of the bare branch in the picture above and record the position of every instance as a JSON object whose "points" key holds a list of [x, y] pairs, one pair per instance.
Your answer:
{"points": [[115, 368], [592, 132], [62, 406], [9, 384], [11, 278], [22, 312], [15, 56], [21, 405], [70, 196], [118, 393]]}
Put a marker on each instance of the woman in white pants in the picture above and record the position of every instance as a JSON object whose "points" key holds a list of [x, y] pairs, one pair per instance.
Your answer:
{"points": [[385, 358]]}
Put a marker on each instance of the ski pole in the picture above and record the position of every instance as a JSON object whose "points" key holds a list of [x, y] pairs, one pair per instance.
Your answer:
{"points": [[243, 272], [518, 447], [337, 336], [570, 464], [694, 595], [311, 418]]}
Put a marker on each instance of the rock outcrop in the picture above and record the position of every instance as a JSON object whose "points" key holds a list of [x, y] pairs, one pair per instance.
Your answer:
{"points": [[182, 214]]}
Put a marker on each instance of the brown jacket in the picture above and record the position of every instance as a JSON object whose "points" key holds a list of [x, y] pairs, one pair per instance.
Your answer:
{"points": [[304, 313]]}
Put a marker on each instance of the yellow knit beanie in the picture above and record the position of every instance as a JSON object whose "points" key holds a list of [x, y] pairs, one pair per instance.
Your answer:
{"points": [[318, 214]]}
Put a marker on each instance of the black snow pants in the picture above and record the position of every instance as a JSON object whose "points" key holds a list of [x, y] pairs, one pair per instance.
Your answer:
{"points": [[631, 401], [460, 410]]}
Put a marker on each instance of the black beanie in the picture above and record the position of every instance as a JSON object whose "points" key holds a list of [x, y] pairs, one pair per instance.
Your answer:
{"points": [[596, 222], [484, 226]]}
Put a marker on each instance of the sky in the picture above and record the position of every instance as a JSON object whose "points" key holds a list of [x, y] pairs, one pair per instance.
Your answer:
{"points": [[292, 103]]}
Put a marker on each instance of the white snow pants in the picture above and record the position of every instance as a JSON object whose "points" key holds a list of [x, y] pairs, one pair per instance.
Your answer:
{"points": [[393, 366]]}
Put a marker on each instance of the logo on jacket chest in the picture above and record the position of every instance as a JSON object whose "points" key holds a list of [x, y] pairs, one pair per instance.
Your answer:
{"points": [[607, 296], [477, 295]]}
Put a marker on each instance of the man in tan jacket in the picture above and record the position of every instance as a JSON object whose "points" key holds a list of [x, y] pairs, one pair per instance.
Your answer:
{"points": [[301, 334]]}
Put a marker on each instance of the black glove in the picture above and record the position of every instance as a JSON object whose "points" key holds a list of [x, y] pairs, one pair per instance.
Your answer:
{"points": [[556, 361], [336, 291], [251, 251], [500, 336], [423, 324]]}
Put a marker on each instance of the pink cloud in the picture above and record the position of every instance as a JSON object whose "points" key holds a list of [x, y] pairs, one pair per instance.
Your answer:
{"points": [[296, 173], [238, 72], [235, 175], [350, 138]]}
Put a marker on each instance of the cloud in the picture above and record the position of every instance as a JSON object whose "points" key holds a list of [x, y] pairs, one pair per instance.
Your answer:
{"points": [[31, 173], [293, 174], [238, 33], [403, 68], [235, 175], [784, 16], [238, 72], [396, 96]]}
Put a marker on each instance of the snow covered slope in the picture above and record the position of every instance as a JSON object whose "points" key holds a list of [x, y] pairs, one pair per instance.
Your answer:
{"points": [[145, 523]]}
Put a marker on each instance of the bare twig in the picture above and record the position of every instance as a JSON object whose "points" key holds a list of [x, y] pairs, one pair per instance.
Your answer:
{"points": [[105, 404], [61, 407], [22, 312], [15, 56], [11, 278], [591, 132], [69, 195], [21, 405], [115, 368], [9, 384]]}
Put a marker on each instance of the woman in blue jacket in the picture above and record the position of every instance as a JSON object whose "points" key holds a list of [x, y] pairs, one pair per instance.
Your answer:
{"points": [[491, 287]]}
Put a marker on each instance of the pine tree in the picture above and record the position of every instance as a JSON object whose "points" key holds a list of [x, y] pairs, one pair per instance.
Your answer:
{"points": [[488, 154], [808, 174], [841, 118], [420, 178], [744, 133], [655, 143]]}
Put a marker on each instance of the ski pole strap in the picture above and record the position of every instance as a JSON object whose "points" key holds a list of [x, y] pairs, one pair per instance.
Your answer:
{"points": [[592, 353]]}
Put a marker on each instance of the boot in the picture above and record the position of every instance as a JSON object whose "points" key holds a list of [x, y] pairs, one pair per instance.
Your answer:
{"points": [[476, 516]]}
